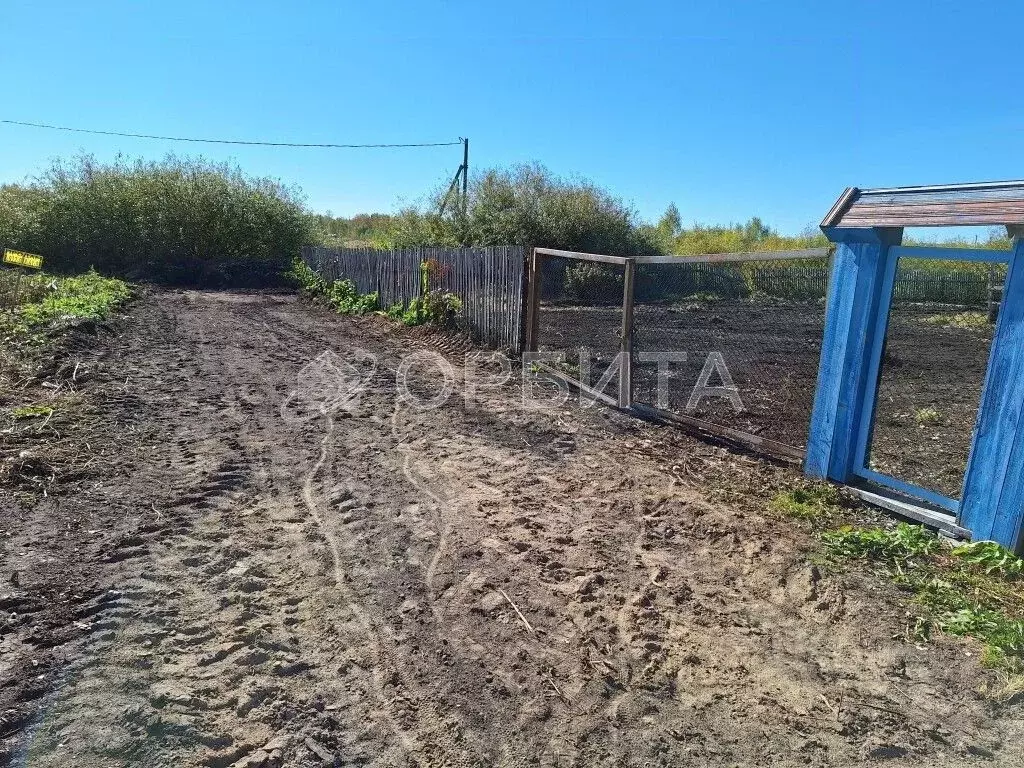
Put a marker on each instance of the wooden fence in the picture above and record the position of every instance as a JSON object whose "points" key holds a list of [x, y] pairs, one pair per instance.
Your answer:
{"points": [[489, 281]]}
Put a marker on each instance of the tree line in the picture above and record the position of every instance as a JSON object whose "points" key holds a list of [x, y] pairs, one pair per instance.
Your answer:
{"points": [[192, 221]]}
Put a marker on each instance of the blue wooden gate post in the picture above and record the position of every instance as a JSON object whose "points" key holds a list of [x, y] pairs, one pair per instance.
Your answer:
{"points": [[993, 502], [858, 270]]}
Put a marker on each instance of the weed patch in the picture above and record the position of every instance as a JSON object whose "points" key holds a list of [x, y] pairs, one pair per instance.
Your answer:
{"points": [[970, 590], [971, 321], [432, 306], [345, 299], [340, 295], [807, 503], [928, 417], [52, 303], [991, 557], [899, 544]]}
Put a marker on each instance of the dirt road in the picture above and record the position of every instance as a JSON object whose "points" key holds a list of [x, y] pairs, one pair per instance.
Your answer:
{"points": [[259, 555]]}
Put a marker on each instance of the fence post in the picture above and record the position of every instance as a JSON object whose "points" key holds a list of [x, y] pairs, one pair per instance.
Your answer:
{"points": [[533, 302], [626, 343], [993, 494], [851, 326], [993, 302]]}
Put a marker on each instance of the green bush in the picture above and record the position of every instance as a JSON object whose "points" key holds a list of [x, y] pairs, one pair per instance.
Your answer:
{"points": [[181, 221], [434, 307], [594, 283], [345, 299], [525, 205]]}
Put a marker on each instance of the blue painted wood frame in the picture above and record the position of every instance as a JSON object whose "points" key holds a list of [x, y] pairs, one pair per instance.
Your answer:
{"points": [[865, 428], [993, 499], [855, 289], [955, 254], [909, 489]]}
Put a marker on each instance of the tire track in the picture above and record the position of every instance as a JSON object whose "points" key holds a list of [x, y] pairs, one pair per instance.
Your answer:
{"points": [[371, 632]]}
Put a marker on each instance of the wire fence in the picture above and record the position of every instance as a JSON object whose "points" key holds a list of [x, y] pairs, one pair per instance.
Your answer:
{"points": [[488, 281], [579, 319], [727, 343], [730, 348], [730, 343], [942, 282], [930, 379], [733, 345]]}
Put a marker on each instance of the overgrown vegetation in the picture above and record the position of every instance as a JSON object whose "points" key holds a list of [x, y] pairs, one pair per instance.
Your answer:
{"points": [[523, 205], [594, 283], [35, 310], [48, 302], [361, 230], [340, 295], [972, 589], [432, 306], [183, 221], [754, 235], [191, 221]]}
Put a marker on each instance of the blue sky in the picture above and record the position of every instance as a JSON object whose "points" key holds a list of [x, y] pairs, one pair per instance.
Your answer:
{"points": [[728, 109]]}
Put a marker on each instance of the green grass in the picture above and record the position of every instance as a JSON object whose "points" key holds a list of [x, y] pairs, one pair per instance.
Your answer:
{"points": [[807, 503], [54, 301], [927, 417], [900, 544], [972, 321], [47, 303], [971, 590], [32, 412]]}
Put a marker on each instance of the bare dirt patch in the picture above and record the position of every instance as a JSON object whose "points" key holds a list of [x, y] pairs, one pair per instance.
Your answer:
{"points": [[239, 579]]}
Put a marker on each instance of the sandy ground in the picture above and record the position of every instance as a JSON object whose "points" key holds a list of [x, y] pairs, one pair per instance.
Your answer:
{"points": [[257, 555]]}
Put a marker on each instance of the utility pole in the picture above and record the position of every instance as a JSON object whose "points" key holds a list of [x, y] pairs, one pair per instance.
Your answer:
{"points": [[463, 173], [465, 176]]}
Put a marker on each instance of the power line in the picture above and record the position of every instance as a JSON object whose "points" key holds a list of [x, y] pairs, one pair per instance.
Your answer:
{"points": [[231, 141]]}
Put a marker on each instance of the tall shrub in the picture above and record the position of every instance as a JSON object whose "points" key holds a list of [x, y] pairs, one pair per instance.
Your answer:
{"points": [[526, 205], [178, 220]]}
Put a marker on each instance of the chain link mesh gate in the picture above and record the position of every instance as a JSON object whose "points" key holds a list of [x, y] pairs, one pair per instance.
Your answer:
{"points": [[728, 344], [735, 340], [579, 320]]}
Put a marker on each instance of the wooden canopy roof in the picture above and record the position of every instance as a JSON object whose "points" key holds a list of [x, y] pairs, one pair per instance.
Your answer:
{"points": [[991, 203]]}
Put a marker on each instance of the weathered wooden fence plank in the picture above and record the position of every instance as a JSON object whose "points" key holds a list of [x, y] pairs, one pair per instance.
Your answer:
{"points": [[489, 281]]}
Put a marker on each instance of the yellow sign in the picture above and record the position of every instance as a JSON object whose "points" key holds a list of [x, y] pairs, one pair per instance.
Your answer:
{"points": [[22, 259]]}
